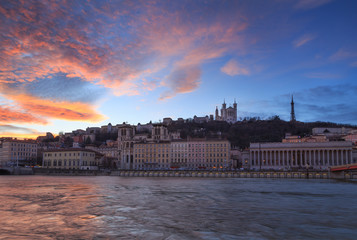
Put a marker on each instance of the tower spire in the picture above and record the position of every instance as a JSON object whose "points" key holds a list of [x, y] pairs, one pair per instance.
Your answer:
{"points": [[292, 113]]}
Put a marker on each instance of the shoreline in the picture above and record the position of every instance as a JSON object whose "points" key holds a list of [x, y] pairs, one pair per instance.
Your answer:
{"points": [[184, 173]]}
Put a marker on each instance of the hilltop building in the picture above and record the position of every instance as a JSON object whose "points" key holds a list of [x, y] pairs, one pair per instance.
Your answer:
{"points": [[227, 114]]}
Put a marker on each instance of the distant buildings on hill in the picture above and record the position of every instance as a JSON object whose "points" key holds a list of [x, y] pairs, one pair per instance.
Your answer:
{"points": [[164, 146]]}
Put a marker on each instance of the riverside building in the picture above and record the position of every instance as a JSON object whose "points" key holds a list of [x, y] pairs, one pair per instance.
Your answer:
{"points": [[299, 155], [15, 152], [159, 150], [72, 158]]}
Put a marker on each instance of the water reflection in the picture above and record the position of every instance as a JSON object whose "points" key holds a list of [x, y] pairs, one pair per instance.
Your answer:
{"points": [[45, 207]]}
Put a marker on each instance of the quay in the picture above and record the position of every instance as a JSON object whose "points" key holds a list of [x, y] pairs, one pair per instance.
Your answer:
{"points": [[347, 175]]}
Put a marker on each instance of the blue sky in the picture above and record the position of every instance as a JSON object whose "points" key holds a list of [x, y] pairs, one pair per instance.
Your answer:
{"points": [[70, 65]]}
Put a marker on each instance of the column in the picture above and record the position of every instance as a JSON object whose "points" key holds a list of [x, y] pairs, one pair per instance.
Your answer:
{"points": [[328, 158], [333, 158], [351, 157], [301, 163], [279, 159], [342, 158], [296, 158]]}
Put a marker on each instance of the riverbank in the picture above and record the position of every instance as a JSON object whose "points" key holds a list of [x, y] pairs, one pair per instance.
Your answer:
{"points": [[183, 173]]}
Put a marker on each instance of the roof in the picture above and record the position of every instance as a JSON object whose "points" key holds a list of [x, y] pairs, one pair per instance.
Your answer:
{"points": [[70, 150]]}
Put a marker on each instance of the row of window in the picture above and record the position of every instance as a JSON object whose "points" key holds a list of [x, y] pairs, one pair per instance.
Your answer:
{"points": [[139, 160], [24, 149], [69, 163], [185, 145], [69, 154], [22, 154], [24, 145]]}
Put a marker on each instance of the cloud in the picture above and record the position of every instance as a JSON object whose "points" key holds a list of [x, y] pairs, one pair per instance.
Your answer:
{"points": [[183, 79], [14, 129], [303, 40], [232, 68], [47, 109], [8, 115], [310, 4], [64, 88], [322, 75], [18, 132], [327, 103], [342, 54], [115, 46]]}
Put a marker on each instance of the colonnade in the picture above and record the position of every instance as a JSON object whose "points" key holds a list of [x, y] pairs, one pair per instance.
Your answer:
{"points": [[316, 158]]}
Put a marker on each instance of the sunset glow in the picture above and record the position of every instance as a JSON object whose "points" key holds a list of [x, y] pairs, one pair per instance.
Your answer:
{"points": [[67, 65]]}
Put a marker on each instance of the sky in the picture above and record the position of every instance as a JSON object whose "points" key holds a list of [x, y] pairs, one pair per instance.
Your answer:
{"points": [[67, 65]]}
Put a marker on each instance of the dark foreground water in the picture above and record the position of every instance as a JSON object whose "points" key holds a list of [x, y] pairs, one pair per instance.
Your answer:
{"points": [[45, 207]]}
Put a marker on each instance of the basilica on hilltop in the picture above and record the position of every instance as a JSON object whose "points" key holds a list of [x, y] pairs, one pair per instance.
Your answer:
{"points": [[227, 114]]}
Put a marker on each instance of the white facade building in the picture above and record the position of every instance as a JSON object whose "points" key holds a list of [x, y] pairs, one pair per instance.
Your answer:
{"points": [[285, 156], [227, 114]]}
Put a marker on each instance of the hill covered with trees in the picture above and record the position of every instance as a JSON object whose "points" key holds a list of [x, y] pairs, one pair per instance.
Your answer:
{"points": [[242, 133]]}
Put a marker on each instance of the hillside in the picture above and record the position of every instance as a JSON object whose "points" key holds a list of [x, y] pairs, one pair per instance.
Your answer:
{"points": [[242, 133]]}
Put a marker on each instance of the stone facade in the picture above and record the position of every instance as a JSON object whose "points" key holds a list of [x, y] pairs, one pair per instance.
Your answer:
{"points": [[17, 152], [72, 158], [227, 114], [286, 156]]}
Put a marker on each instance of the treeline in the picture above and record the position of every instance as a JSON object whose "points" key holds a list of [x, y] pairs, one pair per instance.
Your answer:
{"points": [[242, 133]]}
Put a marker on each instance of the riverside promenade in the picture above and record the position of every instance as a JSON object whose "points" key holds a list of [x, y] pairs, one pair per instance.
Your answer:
{"points": [[185, 173]]}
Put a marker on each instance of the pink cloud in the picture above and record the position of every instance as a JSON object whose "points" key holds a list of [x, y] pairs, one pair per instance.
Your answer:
{"points": [[232, 68], [303, 40], [118, 50]]}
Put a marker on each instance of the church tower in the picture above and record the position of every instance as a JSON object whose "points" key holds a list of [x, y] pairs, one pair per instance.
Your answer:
{"points": [[217, 115], [224, 110], [235, 110], [292, 113]]}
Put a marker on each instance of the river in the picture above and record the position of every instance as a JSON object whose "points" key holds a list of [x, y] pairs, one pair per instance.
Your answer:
{"points": [[52, 207]]}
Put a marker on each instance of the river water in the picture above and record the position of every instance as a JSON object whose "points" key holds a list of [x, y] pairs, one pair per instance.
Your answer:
{"points": [[49, 207]]}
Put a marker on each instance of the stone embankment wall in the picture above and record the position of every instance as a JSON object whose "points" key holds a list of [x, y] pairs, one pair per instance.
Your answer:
{"points": [[227, 174], [178, 173]]}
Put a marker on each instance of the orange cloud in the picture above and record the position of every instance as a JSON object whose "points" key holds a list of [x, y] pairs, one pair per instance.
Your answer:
{"points": [[8, 115], [57, 109]]}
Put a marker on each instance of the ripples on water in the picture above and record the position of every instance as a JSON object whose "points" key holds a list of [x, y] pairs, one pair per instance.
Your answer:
{"points": [[46, 207]]}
